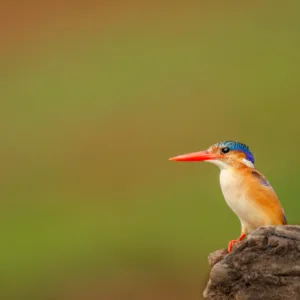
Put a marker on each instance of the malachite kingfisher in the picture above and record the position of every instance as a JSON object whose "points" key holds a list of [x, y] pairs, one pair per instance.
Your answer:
{"points": [[246, 191]]}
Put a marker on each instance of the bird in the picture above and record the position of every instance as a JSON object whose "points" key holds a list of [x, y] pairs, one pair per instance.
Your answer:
{"points": [[246, 190]]}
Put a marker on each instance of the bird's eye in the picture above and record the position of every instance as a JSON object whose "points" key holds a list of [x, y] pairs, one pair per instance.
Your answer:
{"points": [[225, 150]]}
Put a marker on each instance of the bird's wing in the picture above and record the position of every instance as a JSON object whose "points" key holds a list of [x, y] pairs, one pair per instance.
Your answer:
{"points": [[263, 194]]}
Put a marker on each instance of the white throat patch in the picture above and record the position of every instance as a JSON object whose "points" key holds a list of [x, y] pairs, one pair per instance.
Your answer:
{"points": [[219, 163]]}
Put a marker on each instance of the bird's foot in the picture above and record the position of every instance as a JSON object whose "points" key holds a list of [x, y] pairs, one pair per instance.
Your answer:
{"points": [[231, 243]]}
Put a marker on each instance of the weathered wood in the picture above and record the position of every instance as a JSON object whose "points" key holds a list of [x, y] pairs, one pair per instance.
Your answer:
{"points": [[266, 265]]}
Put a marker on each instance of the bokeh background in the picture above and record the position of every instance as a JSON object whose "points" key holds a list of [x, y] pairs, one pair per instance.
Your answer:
{"points": [[95, 97]]}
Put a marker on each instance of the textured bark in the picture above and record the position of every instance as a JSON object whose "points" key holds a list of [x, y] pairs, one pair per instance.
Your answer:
{"points": [[266, 265]]}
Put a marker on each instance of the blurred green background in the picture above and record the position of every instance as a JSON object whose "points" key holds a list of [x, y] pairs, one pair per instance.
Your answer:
{"points": [[95, 97]]}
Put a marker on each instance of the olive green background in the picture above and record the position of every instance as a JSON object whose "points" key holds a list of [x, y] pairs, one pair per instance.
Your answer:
{"points": [[95, 97]]}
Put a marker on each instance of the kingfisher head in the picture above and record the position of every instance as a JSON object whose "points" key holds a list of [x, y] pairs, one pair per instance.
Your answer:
{"points": [[224, 154]]}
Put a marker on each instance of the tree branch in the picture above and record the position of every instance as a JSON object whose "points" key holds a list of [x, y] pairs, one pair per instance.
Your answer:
{"points": [[266, 265]]}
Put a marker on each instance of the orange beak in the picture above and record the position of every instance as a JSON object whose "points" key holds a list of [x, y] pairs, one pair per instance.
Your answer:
{"points": [[196, 156]]}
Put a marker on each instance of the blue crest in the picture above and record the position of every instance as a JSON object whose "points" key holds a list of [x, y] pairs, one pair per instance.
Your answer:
{"points": [[237, 146]]}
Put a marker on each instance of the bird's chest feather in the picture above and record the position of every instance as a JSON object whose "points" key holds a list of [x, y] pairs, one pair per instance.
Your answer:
{"points": [[234, 191], [237, 196]]}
